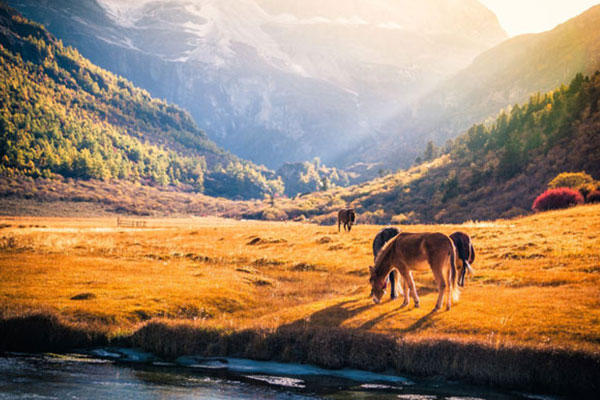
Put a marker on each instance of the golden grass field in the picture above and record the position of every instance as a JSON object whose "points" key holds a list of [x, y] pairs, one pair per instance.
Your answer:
{"points": [[536, 283]]}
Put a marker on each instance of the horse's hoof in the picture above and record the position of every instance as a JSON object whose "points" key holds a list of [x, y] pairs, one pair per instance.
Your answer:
{"points": [[447, 308], [404, 304], [435, 309], [394, 296], [417, 305]]}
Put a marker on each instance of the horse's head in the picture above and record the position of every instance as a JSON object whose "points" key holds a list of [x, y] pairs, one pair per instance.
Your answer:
{"points": [[378, 286], [352, 215]]}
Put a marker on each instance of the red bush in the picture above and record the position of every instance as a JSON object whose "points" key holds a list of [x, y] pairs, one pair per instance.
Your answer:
{"points": [[593, 197], [554, 199]]}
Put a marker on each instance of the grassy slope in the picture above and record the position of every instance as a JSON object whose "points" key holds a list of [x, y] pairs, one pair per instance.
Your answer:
{"points": [[536, 281]]}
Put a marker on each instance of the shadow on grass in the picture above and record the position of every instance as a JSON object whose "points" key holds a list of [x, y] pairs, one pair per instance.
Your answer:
{"points": [[423, 323], [332, 316], [335, 315]]}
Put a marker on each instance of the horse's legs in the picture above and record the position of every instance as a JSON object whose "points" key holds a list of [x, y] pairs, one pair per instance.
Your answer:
{"points": [[394, 285], [441, 283], [441, 272], [411, 284], [401, 275], [339, 223], [405, 287], [449, 285]]}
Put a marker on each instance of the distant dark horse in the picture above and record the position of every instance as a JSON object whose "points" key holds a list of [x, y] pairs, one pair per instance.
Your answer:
{"points": [[465, 252], [380, 240], [346, 216]]}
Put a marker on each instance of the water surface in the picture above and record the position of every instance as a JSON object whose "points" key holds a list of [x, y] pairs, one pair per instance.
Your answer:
{"points": [[86, 376]]}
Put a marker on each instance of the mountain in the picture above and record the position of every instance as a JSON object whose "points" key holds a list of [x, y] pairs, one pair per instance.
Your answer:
{"points": [[276, 81], [62, 116], [492, 171], [499, 78]]}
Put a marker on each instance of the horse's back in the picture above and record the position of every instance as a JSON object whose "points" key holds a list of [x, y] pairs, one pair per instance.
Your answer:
{"points": [[382, 237], [344, 214], [418, 248]]}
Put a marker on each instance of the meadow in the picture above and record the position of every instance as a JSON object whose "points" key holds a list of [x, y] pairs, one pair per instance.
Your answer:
{"points": [[536, 288]]}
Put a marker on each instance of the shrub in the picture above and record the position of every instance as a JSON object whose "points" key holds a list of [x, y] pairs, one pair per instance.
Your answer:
{"points": [[409, 218], [375, 217], [593, 197], [326, 219], [274, 214], [572, 180], [554, 199]]}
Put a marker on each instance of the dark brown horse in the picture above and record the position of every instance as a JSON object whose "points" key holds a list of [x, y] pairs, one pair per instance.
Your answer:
{"points": [[346, 216], [410, 251], [465, 253], [382, 237]]}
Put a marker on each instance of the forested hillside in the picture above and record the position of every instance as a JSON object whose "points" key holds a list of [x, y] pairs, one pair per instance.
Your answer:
{"points": [[490, 171], [503, 76], [306, 177], [61, 116]]}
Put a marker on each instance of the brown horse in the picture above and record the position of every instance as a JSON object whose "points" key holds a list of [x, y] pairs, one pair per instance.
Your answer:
{"points": [[346, 216], [466, 254], [410, 251]]}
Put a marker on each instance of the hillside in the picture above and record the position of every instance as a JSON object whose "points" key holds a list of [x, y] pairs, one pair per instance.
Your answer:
{"points": [[61, 116], [491, 171], [503, 76], [249, 71]]}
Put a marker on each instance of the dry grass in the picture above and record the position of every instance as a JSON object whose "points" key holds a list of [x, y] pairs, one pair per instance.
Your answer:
{"points": [[537, 281]]}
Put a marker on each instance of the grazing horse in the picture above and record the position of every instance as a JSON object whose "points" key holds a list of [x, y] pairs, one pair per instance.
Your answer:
{"points": [[346, 216], [466, 254], [380, 240], [410, 251]]}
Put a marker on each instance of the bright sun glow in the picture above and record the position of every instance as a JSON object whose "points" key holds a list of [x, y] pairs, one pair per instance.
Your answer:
{"points": [[529, 16]]}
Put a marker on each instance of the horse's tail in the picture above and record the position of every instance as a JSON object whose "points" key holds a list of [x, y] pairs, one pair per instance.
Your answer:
{"points": [[453, 276], [466, 253], [468, 260], [472, 255]]}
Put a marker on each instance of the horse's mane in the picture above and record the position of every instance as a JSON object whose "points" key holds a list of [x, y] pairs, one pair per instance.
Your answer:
{"points": [[385, 250]]}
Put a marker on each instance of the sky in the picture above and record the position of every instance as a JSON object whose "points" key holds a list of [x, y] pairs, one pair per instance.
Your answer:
{"points": [[530, 16]]}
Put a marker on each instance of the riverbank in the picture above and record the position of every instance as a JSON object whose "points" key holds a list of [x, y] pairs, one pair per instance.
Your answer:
{"points": [[527, 369], [294, 292]]}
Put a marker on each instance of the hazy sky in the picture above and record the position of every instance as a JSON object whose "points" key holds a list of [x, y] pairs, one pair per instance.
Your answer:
{"points": [[527, 16]]}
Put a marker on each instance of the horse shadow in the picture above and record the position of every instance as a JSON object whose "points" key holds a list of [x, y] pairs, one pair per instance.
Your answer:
{"points": [[335, 315], [332, 316]]}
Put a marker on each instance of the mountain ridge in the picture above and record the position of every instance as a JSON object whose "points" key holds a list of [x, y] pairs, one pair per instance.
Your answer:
{"points": [[256, 97]]}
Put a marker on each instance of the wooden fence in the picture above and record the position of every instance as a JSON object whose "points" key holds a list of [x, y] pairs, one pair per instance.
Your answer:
{"points": [[130, 223]]}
